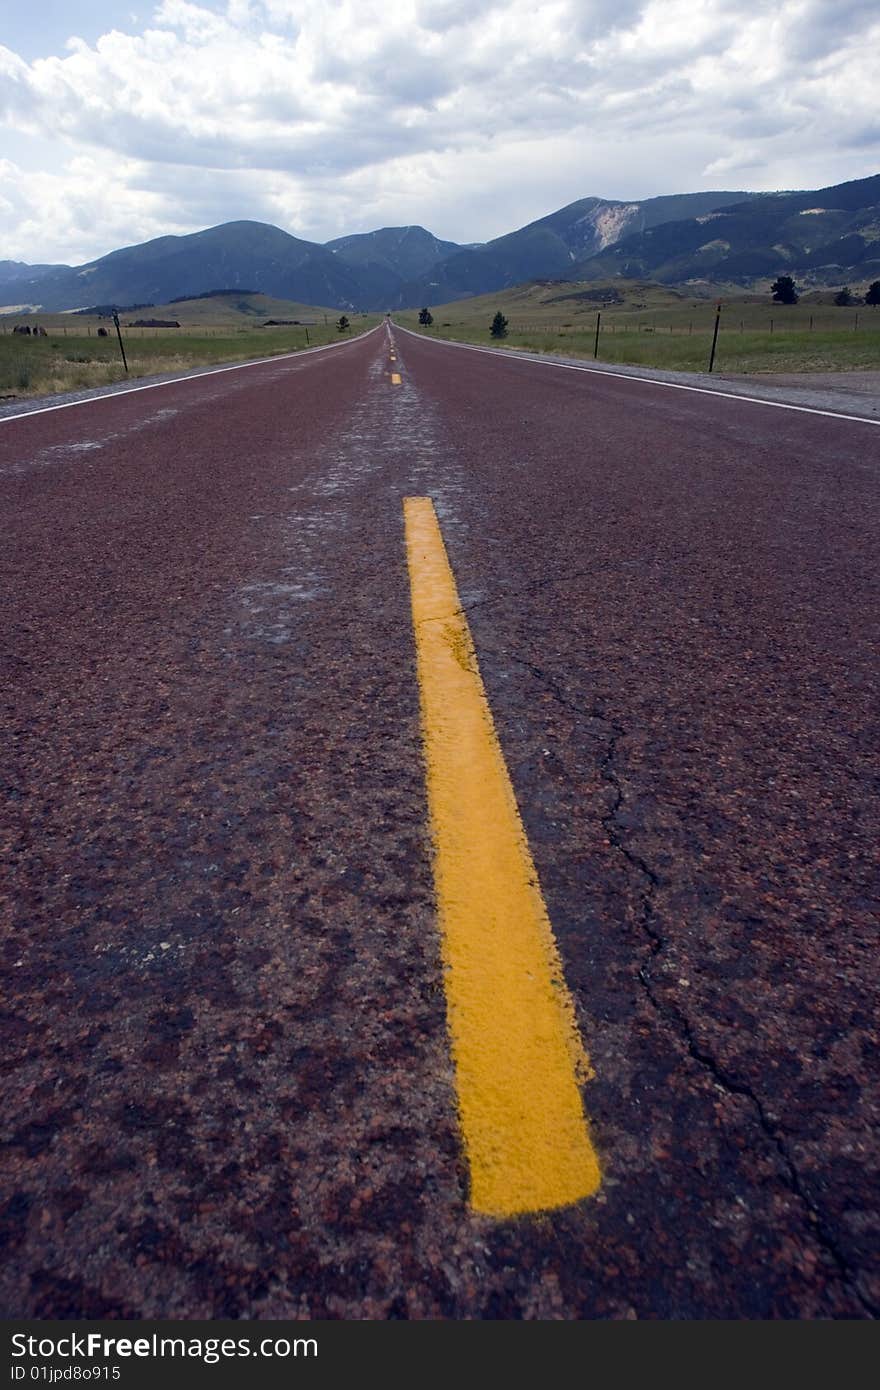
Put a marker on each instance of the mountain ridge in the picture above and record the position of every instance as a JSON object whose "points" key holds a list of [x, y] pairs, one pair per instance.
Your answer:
{"points": [[828, 235], [552, 244]]}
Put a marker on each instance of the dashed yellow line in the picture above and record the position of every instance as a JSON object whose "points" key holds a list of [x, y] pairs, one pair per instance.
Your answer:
{"points": [[395, 378], [518, 1054]]}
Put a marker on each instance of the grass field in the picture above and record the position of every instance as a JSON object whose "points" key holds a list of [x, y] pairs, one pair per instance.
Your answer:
{"points": [[652, 325], [641, 324], [73, 356]]}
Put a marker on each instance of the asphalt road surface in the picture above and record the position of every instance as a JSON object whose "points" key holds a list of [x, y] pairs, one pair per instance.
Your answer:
{"points": [[228, 1088]]}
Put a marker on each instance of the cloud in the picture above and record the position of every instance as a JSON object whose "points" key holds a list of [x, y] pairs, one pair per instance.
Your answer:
{"points": [[315, 111], [734, 162]]}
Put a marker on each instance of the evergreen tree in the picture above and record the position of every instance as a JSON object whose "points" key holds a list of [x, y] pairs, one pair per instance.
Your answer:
{"points": [[426, 318], [872, 296], [343, 324], [843, 298], [784, 290], [499, 326]]}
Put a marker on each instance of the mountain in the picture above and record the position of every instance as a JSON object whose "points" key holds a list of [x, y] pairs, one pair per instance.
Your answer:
{"points": [[551, 246], [355, 272], [11, 271], [826, 236], [385, 258], [407, 252], [250, 254]]}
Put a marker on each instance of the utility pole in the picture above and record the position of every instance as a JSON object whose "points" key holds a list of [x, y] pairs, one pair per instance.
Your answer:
{"points": [[596, 344]]}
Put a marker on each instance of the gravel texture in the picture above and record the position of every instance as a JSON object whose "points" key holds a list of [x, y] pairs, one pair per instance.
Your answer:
{"points": [[227, 1089]]}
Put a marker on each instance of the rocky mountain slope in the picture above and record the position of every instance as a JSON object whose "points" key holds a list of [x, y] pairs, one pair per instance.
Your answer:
{"points": [[827, 236], [552, 246]]}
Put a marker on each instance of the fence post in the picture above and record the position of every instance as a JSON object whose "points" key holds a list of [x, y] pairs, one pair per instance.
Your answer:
{"points": [[119, 336], [715, 335], [596, 344]]}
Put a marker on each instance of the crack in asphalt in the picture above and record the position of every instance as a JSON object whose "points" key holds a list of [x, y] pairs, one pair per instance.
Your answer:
{"points": [[463, 609], [531, 590], [553, 581], [671, 1014]]}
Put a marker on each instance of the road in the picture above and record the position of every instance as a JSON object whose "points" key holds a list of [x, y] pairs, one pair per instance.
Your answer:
{"points": [[228, 1083]]}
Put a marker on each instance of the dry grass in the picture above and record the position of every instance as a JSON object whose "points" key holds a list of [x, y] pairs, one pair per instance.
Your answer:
{"points": [[655, 326], [73, 357]]}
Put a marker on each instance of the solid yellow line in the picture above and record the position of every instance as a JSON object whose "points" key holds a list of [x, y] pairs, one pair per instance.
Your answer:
{"points": [[395, 378], [515, 1042]]}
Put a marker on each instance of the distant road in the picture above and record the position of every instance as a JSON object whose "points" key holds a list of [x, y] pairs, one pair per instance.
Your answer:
{"points": [[229, 1089]]}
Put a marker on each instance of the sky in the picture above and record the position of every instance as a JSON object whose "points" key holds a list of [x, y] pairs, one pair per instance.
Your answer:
{"points": [[122, 122]]}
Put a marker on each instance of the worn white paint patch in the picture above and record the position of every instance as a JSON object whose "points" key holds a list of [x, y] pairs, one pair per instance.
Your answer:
{"points": [[53, 455], [266, 608], [157, 418], [80, 446], [392, 442], [257, 597], [74, 448]]}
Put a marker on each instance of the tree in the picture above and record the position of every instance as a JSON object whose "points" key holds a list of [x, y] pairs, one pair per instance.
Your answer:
{"points": [[784, 290], [343, 324], [872, 295], [499, 326], [426, 317], [843, 298]]}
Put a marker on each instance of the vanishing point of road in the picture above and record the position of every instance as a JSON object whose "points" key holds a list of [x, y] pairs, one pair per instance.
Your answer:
{"points": [[440, 840]]}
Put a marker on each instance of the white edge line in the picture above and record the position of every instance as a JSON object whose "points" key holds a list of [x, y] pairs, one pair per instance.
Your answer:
{"points": [[627, 376], [194, 376]]}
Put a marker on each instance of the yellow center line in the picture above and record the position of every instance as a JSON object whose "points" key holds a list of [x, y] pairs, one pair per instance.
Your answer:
{"points": [[518, 1054], [395, 378]]}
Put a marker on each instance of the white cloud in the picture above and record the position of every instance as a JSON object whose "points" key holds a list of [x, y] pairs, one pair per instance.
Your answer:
{"points": [[334, 115]]}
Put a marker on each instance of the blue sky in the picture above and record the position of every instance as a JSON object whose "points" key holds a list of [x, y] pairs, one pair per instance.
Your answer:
{"points": [[35, 31], [123, 122]]}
